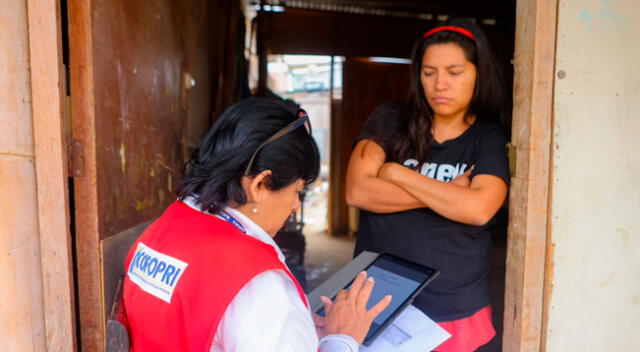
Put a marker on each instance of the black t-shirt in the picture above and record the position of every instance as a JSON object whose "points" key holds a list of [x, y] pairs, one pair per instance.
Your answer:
{"points": [[461, 252]]}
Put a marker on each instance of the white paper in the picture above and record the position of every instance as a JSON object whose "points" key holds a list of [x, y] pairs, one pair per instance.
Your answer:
{"points": [[412, 331]]}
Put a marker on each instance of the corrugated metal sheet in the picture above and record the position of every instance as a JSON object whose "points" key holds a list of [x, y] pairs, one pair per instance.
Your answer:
{"points": [[434, 9]]}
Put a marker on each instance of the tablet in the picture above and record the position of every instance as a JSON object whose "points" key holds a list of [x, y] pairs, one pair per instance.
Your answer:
{"points": [[397, 277]]}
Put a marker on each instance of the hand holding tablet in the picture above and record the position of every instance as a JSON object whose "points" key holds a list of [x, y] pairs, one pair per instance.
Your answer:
{"points": [[398, 277], [348, 313]]}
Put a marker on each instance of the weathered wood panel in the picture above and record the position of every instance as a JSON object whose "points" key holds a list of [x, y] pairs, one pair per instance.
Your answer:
{"points": [[47, 91], [594, 304], [22, 325], [86, 192]]}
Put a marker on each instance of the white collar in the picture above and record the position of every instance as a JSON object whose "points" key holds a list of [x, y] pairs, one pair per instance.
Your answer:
{"points": [[252, 229]]}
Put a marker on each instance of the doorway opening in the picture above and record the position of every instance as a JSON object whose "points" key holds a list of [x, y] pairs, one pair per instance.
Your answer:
{"points": [[311, 82], [314, 83], [361, 34]]}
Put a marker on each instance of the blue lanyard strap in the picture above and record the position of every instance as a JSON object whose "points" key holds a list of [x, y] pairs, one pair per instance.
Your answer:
{"points": [[233, 221]]}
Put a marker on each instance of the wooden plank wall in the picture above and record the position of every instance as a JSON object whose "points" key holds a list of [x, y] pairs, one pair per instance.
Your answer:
{"points": [[47, 92], [594, 232], [22, 326]]}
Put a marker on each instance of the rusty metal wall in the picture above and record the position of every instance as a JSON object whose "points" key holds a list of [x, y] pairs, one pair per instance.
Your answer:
{"points": [[136, 115], [139, 56]]}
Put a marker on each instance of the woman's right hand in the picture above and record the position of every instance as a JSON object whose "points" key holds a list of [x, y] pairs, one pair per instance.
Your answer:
{"points": [[348, 314]]}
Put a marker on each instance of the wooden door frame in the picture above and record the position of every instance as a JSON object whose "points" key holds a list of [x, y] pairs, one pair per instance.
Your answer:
{"points": [[526, 290], [528, 248], [50, 145], [83, 126]]}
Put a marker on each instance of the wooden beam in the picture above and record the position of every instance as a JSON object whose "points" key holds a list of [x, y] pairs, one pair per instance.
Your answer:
{"points": [[532, 124], [83, 127], [47, 92]]}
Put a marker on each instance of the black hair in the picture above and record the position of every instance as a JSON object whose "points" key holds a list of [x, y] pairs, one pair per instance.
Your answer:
{"points": [[413, 137], [214, 172]]}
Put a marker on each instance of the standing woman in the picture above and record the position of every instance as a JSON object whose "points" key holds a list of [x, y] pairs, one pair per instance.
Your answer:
{"points": [[207, 275], [431, 173]]}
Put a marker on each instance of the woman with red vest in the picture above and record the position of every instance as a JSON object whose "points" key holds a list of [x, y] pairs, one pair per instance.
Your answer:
{"points": [[430, 174], [207, 275]]}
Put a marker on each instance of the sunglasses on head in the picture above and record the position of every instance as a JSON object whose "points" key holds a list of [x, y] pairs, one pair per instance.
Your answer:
{"points": [[302, 120]]}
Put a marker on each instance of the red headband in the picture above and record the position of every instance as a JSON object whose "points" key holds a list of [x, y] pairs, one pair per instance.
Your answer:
{"points": [[450, 28]]}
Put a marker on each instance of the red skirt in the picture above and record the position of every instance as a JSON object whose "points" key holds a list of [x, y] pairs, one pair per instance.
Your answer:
{"points": [[469, 333]]}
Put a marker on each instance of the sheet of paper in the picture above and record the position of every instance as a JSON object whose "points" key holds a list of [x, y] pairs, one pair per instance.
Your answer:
{"points": [[412, 331]]}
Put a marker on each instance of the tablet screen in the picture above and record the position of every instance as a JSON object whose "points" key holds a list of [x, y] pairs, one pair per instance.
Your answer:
{"points": [[398, 278]]}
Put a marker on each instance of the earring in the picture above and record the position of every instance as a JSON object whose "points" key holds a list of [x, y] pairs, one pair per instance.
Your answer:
{"points": [[254, 210]]}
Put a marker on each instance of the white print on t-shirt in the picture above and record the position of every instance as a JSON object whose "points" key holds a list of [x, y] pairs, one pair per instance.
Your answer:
{"points": [[440, 172]]}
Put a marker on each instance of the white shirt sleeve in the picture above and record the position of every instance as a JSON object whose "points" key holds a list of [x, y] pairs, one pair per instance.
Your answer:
{"points": [[268, 315], [338, 343]]}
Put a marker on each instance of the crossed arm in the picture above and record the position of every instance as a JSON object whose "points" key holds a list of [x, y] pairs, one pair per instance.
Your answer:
{"points": [[381, 187]]}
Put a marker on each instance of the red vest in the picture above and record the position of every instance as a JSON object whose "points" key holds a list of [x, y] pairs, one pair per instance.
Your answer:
{"points": [[183, 272]]}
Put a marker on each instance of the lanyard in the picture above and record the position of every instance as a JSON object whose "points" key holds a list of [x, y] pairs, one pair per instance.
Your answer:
{"points": [[233, 221]]}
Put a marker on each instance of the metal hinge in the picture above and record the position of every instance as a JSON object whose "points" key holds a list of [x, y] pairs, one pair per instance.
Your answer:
{"points": [[76, 159], [511, 154]]}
